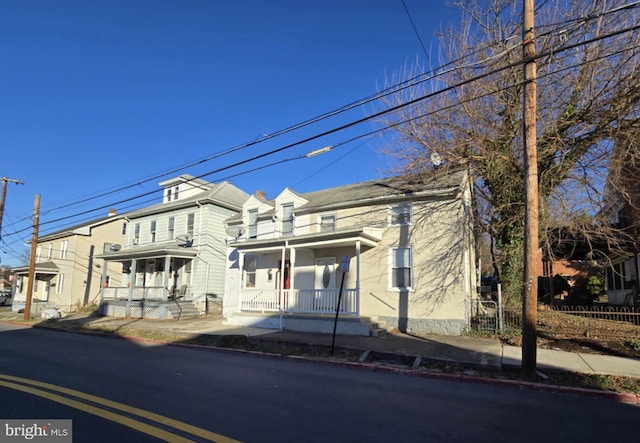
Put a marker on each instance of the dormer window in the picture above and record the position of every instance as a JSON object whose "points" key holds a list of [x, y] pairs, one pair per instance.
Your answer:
{"points": [[400, 214], [252, 223], [168, 195], [287, 219]]}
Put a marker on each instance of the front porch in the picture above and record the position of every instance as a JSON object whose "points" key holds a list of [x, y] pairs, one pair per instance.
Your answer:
{"points": [[151, 302], [300, 301]]}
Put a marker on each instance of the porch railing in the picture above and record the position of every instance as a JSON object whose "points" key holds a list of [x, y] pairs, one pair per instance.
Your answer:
{"points": [[155, 293], [299, 301]]}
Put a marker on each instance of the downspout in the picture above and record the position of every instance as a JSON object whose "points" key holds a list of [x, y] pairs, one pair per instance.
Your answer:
{"points": [[357, 278], [206, 275]]}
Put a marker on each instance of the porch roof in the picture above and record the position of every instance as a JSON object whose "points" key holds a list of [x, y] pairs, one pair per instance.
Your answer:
{"points": [[40, 268], [367, 237], [152, 251]]}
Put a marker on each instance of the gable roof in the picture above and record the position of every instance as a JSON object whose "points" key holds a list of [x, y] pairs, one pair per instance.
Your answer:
{"points": [[407, 187], [223, 194]]}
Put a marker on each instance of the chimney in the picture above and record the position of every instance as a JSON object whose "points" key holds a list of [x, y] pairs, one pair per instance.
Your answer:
{"points": [[261, 194], [112, 212]]}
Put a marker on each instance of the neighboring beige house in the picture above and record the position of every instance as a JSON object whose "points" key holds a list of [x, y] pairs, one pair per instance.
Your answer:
{"points": [[171, 256], [67, 274], [408, 243]]}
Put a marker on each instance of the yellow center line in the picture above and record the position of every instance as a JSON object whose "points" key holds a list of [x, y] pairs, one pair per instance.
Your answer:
{"points": [[139, 426]]}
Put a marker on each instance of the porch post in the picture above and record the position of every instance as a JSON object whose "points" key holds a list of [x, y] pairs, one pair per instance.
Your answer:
{"points": [[239, 284], [165, 283], [103, 281], [357, 278], [283, 266], [292, 261], [132, 281]]}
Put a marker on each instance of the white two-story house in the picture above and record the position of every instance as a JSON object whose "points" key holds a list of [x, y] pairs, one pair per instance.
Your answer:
{"points": [[396, 252], [172, 255]]}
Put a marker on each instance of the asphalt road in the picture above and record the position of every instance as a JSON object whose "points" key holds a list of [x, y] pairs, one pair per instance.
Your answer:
{"points": [[116, 390]]}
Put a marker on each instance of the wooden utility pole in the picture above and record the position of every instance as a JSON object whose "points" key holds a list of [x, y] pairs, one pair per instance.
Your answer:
{"points": [[531, 246], [5, 180], [32, 258]]}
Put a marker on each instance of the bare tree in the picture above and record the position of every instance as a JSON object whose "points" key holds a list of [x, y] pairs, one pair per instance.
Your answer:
{"points": [[588, 95]]}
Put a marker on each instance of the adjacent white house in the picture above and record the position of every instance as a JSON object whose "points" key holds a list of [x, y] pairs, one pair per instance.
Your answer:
{"points": [[67, 273], [172, 255], [396, 253]]}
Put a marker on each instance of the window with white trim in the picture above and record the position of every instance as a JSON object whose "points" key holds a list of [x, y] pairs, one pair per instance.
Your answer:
{"points": [[63, 249], [59, 283], [328, 223], [172, 224], [136, 234], [191, 223], [400, 214], [152, 230], [38, 252], [401, 268], [287, 219], [50, 252], [252, 215]]}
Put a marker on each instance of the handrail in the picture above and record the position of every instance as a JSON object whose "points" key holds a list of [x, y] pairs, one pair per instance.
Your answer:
{"points": [[175, 300]]}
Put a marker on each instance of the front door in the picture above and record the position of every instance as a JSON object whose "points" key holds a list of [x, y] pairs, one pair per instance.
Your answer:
{"points": [[325, 284], [325, 273]]}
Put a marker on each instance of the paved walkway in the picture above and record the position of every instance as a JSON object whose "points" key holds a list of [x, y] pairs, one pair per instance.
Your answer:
{"points": [[470, 350]]}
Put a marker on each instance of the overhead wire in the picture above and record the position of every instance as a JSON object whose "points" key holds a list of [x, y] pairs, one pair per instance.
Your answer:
{"points": [[394, 88]]}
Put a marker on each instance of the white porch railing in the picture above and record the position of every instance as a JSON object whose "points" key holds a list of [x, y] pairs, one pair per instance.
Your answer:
{"points": [[299, 301], [138, 293]]}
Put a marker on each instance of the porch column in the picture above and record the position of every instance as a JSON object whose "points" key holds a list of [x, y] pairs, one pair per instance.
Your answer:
{"points": [[239, 283], [132, 282], [103, 281], [292, 261], [357, 278], [165, 283], [283, 266]]}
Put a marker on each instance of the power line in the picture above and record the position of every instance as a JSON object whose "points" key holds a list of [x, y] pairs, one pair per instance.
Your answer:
{"points": [[406, 10], [376, 115]]}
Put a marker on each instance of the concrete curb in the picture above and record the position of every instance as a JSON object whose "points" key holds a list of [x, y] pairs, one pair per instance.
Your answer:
{"points": [[627, 398]]}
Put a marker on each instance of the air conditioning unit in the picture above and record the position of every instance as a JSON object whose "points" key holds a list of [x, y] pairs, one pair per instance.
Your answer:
{"points": [[136, 241]]}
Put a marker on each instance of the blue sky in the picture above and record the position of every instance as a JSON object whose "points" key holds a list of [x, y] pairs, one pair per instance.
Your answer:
{"points": [[102, 95]]}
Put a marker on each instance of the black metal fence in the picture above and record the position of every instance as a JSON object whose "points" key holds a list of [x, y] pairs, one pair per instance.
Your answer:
{"points": [[580, 321]]}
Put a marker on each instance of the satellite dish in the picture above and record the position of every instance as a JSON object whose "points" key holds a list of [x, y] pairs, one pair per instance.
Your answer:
{"points": [[235, 231], [184, 240], [435, 159], [115, 247]]}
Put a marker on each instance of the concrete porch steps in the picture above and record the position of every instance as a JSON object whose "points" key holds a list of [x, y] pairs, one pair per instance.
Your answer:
{"points": [[186, 310]]}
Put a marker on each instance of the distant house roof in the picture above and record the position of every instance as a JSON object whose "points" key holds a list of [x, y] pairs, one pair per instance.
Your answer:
{"points": [[79, 229]]}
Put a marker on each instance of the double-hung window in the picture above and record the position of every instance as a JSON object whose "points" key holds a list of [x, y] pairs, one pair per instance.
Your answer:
{"points": [[250, 266], [327, 223], [287, 219], [152, 231], [191, 222], [172, 225], [401, 268], [253, 223]]}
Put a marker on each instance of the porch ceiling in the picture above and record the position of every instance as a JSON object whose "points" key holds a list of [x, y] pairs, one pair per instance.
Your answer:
{"points": [[367, 236], [154, 251]]}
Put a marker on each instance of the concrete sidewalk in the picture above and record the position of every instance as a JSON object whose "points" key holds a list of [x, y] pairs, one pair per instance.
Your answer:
{"points": [[482, 352]]}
